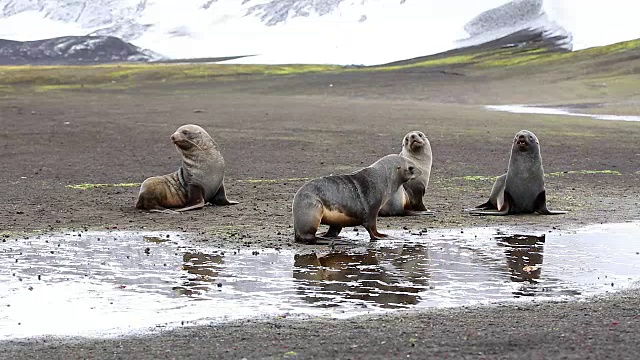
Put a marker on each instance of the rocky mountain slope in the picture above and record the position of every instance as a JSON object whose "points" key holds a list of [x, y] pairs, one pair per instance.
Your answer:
{"points": [[71, 50]]}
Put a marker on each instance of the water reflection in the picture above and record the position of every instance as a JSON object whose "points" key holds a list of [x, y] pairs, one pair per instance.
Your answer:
{"points": [[390, 277], [202, 271], [524, 256], [97, 283]]}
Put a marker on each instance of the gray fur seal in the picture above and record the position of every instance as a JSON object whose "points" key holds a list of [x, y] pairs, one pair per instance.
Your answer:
{"points": [[408, 200], [349, 200], [199, 180], [521, 189]]}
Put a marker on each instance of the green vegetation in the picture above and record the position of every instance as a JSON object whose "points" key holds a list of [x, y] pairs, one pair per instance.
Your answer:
{"points": [[479, 178], [94, 186], [114, 76], [584, 172], [271, 180], [74, 77], [559, 173]]}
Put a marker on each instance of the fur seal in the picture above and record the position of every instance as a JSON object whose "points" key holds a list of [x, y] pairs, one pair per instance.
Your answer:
{"points": [[521, 189], [349, 200], [199, 180], [407, 201]]}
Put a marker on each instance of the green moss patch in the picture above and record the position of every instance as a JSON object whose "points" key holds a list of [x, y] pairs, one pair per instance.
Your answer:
{"points": [[63, 77], [94, 186], [559, 173], [254, 181], [479, 178], [584, 172]]}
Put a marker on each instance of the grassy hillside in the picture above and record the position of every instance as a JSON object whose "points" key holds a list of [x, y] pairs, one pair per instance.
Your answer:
{"points": [[613, 60]]}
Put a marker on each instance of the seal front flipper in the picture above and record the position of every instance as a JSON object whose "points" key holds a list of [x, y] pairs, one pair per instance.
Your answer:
{"points": [[372, 229], [220, 198], [195, 200], [486, 206], [540, 206], [333, 232], [504, 205], [164, 211], [415, 191], [334, 241], [419, 213]]}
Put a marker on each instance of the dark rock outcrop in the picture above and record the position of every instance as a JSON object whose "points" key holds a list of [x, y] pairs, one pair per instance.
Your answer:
{"points": [[510, 14], [516, 23], [72, 50]]}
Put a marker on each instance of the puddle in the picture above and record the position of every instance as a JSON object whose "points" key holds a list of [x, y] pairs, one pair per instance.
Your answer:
{"points": [[114, 283], [529, 109]]}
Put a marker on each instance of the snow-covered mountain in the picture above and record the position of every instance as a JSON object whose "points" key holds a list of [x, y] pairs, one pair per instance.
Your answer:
{"points": [[318, 31]]}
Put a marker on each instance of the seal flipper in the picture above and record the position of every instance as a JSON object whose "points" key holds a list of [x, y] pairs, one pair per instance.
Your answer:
{"points": [[164, 211], [504, 205], [372, 228], [415, 193], [540, 205], [419, 213], [336, 241], [486, 206], [195, 200], [333, 232], [220, 198], [331, 237]]}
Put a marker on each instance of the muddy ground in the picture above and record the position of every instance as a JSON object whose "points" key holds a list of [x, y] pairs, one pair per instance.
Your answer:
{"points": [[277, 131]]}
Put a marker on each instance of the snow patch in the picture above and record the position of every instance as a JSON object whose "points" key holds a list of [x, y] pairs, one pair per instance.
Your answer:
{"points": [[312, 31]]}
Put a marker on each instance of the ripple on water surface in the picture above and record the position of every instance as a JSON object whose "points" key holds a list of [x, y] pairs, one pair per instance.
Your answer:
{"points": [[111, 283]]}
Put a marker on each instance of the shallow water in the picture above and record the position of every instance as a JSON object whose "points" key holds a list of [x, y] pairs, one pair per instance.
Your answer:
{"points": [[529, 109], [111, 283]]}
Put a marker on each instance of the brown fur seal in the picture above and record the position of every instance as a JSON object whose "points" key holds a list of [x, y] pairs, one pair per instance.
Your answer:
{"points": [[199, 180], [349, 200], [407, 200], [521, 189]]}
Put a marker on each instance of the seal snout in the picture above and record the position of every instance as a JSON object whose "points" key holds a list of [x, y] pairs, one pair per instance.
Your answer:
{"points": [[521, 141], [180, 138], [415, 139]]}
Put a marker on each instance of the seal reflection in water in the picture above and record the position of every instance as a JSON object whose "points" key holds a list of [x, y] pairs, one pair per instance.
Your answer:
{"points": [[521, 189], [387, 277], [199, 180], [524, 256], [349, 200], [407, 201]]}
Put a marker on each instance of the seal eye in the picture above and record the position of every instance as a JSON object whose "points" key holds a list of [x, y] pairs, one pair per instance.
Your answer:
{"points": [[411, 169], [185, 132]]}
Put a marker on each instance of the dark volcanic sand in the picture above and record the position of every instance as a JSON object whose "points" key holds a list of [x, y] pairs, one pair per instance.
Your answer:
{"points": [[274, 131]]}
